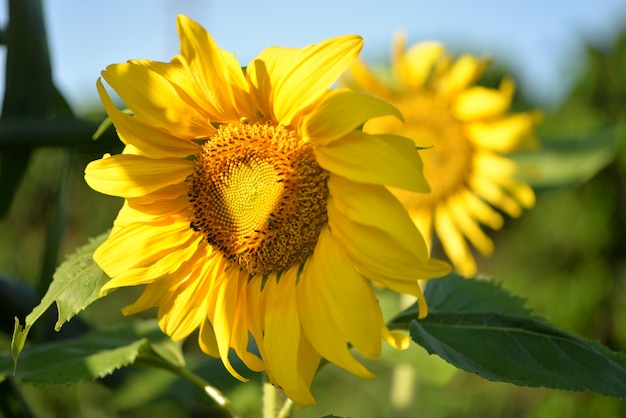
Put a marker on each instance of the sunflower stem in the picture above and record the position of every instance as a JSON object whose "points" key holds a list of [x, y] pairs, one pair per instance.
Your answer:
{"points": [[275, 403], [214, 393], [287, 410]]}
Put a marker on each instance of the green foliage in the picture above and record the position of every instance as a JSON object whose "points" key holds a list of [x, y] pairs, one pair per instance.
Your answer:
{"points": [[481, 328], [76, 284], [96, 354], [569, 161]]}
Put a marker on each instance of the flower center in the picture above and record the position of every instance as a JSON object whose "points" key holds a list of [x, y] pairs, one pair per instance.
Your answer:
{"points": [[259, 196], [447, 155]]}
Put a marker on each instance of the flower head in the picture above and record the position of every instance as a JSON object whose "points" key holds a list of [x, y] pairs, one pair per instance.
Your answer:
{"points": [[463, 129], [254, 206]]}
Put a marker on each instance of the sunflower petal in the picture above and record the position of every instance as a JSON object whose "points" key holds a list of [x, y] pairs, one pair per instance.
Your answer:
{"points": [[155, 100], [262, 72], [375, 250], [489, 189], [184, 308], [224, 297], [128, 175], [218, 72], [377, 159], [463, 73], [413, 66], [303, 77], [340, 112], [168, 264], [360, 77], [319, 318], [207, 340], [375, 207], [468, 226], [151, 297], [138, 241], [505, 135], [453, 243], [152, 142], [481, 103], [283, 337]]}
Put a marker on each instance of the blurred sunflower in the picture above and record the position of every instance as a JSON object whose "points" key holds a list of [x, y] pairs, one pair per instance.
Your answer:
{"points": [[254, 205], [463, 130]]}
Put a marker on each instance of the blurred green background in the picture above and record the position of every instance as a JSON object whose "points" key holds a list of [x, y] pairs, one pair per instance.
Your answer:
{"points": [[567, 257]]}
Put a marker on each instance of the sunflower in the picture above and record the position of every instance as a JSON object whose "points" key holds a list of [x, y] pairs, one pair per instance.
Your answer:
{"points": [[463, 130], [253, 206]]}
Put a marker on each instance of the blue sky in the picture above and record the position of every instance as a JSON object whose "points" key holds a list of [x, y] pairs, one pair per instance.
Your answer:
{"points": [[539, 38]]}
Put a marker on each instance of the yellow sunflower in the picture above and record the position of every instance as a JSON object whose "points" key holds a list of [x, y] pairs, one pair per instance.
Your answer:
{"points": [[463, 129], [254, 206]]}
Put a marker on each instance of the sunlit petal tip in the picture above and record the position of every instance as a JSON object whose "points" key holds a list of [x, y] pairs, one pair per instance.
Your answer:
{"points": [[418, 63], [395, 339], [422, 308]]}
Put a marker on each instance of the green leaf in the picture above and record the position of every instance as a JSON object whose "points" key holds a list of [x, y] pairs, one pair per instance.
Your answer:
{"points": [[75, 285], [454, 293], [566, 162], [97, 354], [522, 351], [481, 328]]}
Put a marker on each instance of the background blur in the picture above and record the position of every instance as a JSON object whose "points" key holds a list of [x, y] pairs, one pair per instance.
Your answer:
{"points": [[567, 256]]}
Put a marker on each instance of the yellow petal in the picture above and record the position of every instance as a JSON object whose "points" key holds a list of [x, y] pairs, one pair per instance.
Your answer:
{"points": [[151, 297], [319, 319], [360, 78], [375, 250], [463, 73], [218, 72], [423, 220], [414, 66], [283, 337], [256, 312], [487, 188], [262, 75], [184, 308], [155, 100], [468, 225], [481, 103], [376, 159], [395, 339], [504, 135], [169, 264], [223, 300], [454, 244], [167, 194], [207, 340], [340, 112], [128, 176], [303, 79], [350, 300], [375, 207], [480, 210], [136, 211], [241, 327], [180, 75], [146, 243], [522, 192], [152, 142]]}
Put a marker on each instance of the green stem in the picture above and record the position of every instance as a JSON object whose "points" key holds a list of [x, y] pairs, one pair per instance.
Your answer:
{"points": [[275, 403], [214, 393], [287, 410]]}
